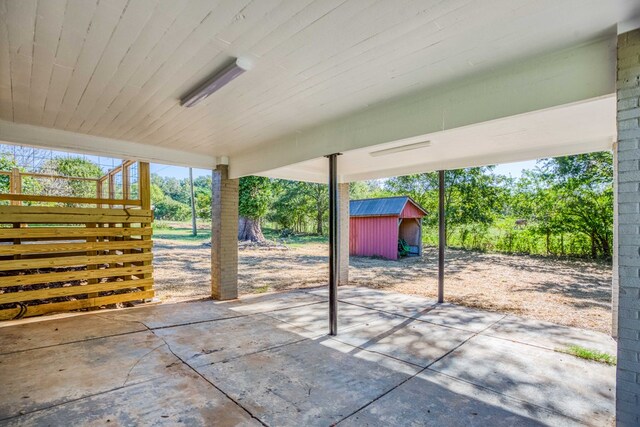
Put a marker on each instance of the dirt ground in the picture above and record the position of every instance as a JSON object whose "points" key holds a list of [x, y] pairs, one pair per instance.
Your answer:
{"points": [[573, 293]]}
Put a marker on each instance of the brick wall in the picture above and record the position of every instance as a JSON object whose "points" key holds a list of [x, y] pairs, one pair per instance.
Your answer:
{"points": [[224, 235], [343, 233], [628, 162]]}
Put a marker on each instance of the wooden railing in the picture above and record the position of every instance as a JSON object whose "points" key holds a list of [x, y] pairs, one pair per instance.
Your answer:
{"points": [[60, 258]]}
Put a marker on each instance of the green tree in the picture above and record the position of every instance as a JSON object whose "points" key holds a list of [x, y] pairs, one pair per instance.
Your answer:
{"points": [[584, 184], [202, 185], [253, 204], [6, 164], [76, 167]]}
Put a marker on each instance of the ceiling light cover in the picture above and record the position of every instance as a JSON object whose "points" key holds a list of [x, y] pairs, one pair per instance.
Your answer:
{"points": [[400, 149], [230, 72]]}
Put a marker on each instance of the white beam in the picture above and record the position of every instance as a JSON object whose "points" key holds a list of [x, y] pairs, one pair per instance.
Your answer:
{"points": [[54, 139], [560, 78]]}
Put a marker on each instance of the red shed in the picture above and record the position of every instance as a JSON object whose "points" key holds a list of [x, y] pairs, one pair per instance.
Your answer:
{"points": [[376, 225]]}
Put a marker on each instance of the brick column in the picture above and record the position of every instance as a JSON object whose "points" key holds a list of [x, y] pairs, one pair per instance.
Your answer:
{"points": [[628, 223], [224, 235], [343, 233]]}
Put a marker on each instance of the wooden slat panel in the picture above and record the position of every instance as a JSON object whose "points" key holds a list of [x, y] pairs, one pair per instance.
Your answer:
{"points": [[33, 279], [37, 310], [12, 297], [70, 261], [58, 199], [52, 248], [121, 212], [72, 232], [42, 218]]}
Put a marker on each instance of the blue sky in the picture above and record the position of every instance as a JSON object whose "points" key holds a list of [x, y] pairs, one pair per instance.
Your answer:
{"points": [[509, 169], [514, 169]]}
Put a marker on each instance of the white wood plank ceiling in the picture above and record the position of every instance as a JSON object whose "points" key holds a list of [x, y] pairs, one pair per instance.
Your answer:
{"points": [[117, 68]]}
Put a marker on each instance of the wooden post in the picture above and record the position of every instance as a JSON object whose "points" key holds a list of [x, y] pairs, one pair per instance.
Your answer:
{"points": [[125, 182], [125, 196], [99, 190], [15, 185], [144, 190], [112, 192], [92, 253], [112, 186]]}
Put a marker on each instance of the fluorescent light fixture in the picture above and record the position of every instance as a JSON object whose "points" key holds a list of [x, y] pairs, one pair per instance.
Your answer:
{"points": [[228, 73], [400, 149]]}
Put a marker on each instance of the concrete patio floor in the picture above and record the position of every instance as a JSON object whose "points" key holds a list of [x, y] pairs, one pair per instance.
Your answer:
{"points": [[398, 360]]}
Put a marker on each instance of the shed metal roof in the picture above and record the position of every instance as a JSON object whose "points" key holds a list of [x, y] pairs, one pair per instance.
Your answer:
{"points": [[384, 206]]}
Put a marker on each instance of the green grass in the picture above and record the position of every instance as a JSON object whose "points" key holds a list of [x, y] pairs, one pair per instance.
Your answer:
{"points": [[589, 354], [181, 234], [261, 289], [296, 240]]}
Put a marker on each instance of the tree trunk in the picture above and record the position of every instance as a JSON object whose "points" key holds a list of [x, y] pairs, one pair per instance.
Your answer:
{"points": [[548, 242], [319, 223], [250, 229]]}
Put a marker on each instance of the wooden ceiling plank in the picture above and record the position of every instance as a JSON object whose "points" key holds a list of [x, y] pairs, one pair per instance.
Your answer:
{"points": [[269, 96], [21, 24], [77, 19], [49, 21], [102, 27], [163, 17], [6, 101], [240, 46], [188, 19], [166, 109], [168, 79], [133, 21], [386, 56]]}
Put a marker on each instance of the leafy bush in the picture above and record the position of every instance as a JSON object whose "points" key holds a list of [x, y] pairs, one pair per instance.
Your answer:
{"points": [[171, 210]]}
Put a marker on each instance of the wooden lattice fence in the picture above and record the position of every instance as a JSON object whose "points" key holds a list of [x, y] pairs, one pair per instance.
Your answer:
{"points": [[58, 258]]}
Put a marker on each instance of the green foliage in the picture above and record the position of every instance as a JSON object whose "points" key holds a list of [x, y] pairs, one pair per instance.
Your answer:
{"points": [[64, 166], [169, 209], [300, 206], [171, 199], [254, 197], [79, 168], [202, 189], [472, 196], [175, 189], [6, 164]]}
